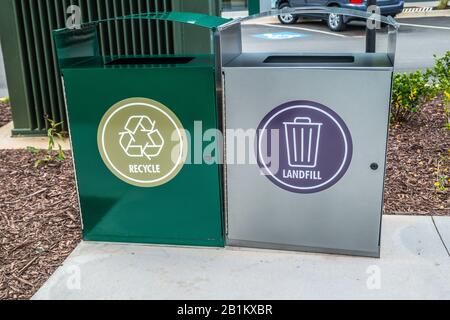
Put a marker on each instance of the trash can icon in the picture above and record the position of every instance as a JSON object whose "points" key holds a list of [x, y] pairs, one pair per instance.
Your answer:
{"points": [[302, 142]]}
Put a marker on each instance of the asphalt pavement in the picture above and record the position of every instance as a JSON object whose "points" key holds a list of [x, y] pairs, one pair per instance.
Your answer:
{"points": [[418, 39]]}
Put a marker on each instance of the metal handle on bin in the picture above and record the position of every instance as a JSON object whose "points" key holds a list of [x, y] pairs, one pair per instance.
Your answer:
{"points": [[302, 120]]}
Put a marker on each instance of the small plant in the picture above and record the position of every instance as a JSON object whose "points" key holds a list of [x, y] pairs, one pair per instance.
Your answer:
{"points": [[33, 150], [4, 100], [442, 182], [51, 153], [409, 92]]}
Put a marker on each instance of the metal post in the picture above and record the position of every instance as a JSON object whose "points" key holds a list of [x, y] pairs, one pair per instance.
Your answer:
{"points": [[253, 7], [371, 34], [258, 6]]}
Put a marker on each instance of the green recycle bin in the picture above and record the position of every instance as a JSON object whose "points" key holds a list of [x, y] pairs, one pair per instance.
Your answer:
{"points": [[132, 122]]}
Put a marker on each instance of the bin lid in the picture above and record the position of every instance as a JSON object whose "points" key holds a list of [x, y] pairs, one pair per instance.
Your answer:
{"points": [[197, 19], [78, 46]]}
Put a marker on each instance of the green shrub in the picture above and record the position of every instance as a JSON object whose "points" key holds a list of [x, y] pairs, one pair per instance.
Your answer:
{"points": [[409, 92], [440, 74], [440, 79], [442, 4]]}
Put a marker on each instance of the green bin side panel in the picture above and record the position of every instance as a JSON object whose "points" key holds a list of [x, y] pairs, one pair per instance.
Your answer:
{"points": [[185, 211]]}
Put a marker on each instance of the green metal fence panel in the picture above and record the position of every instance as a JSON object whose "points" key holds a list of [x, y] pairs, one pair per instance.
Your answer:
{"points": [[34, 85]]}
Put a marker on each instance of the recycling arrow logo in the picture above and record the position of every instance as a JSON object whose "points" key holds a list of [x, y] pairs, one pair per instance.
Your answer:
{"points": [[142, 142], [140, 138]]}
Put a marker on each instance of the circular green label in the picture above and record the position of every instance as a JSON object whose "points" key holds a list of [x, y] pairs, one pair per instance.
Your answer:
{"points": [[142, 142]]}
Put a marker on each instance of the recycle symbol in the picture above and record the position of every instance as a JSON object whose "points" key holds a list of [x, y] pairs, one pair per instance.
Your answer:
{"points": [[141, 138]]}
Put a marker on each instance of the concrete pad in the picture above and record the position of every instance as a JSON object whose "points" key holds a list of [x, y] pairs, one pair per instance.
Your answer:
{"points": [[8, 142], [414, 265], [443, 227]]}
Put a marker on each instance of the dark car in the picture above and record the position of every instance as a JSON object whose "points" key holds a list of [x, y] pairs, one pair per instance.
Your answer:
{"points": [[337, 22]]}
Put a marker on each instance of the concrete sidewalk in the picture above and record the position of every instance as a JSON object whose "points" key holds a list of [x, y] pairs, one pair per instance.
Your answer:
{"points": [[422, 4], [415, 264], [9, 142]]}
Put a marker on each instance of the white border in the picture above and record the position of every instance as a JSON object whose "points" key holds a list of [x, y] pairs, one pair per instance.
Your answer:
{"points": [[261, 158], [171, 120]]}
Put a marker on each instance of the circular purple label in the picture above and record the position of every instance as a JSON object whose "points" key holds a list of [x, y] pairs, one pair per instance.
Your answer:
{"points": [[304, 147]]}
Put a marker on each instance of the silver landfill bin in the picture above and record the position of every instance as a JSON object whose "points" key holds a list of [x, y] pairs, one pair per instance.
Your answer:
{"points": [[317, 128]]}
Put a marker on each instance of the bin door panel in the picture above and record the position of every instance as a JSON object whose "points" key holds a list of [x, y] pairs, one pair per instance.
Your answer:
{"points": [[344, 217], [187, 209]]}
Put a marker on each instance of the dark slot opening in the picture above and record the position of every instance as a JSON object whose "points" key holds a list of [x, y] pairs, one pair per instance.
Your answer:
{"points": [[309, 59], [151, 60]]}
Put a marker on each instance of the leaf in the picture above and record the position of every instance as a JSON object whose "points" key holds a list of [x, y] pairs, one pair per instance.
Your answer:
{"points": [[61, 155], [60, 136], [4, 100], [32, 150], [39, 162], [51, 143]]}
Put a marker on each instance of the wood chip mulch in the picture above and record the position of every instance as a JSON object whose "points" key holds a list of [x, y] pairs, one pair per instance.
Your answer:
{"points": [[418, 153], [5, 114], [39, 215], [39, 221]]}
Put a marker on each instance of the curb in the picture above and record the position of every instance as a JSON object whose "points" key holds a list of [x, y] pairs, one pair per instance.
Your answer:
{"points": [[408, 14], [424, 14], [421, 4]]}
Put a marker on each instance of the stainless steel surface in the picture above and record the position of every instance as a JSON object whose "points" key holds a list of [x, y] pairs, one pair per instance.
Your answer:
{"points": [[377, 61], [277, 246], [344, 218], [231, 43], [392, 43], [229, 30], [318, 10]]}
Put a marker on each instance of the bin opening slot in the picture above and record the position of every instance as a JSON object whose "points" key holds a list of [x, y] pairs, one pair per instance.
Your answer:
{"points": [[151, 60], [310, 59]]}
